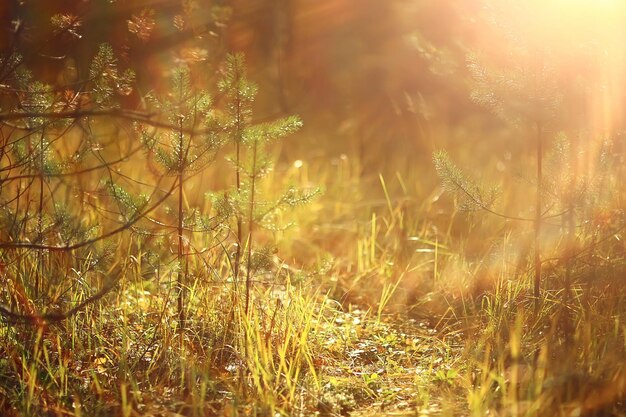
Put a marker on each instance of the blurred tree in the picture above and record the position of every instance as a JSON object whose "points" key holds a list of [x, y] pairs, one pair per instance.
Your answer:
{"points": [[540, 81]]}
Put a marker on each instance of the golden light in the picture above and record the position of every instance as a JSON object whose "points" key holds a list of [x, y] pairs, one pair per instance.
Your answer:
{"points": [[600, 18], [599, 25], [581, 41], [586, 5]]}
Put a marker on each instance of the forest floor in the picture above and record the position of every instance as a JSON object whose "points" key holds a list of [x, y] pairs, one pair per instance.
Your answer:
{"points": [[395, 366]]}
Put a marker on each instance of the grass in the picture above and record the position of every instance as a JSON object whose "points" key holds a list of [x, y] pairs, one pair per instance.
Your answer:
{"points": [[377, 305], [381, 298]]}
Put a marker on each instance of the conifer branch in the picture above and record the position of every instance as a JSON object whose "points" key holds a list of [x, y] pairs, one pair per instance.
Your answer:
{"points": [[66, 248]]}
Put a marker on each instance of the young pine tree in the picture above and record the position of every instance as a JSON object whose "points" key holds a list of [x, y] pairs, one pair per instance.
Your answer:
{"points": [[251, 162], [45, 160], [182, 151], [519, 85], [539, 83]]}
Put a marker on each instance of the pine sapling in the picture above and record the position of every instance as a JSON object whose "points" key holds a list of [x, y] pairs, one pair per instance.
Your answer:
{"points": [[251, 163], [184, 153]]}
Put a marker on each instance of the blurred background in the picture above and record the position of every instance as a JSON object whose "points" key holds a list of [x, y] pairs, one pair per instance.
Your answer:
{"points": [[368, 77]]}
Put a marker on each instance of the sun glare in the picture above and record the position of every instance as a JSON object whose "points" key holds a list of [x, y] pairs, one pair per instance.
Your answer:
{"points": [[576, 39]]}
